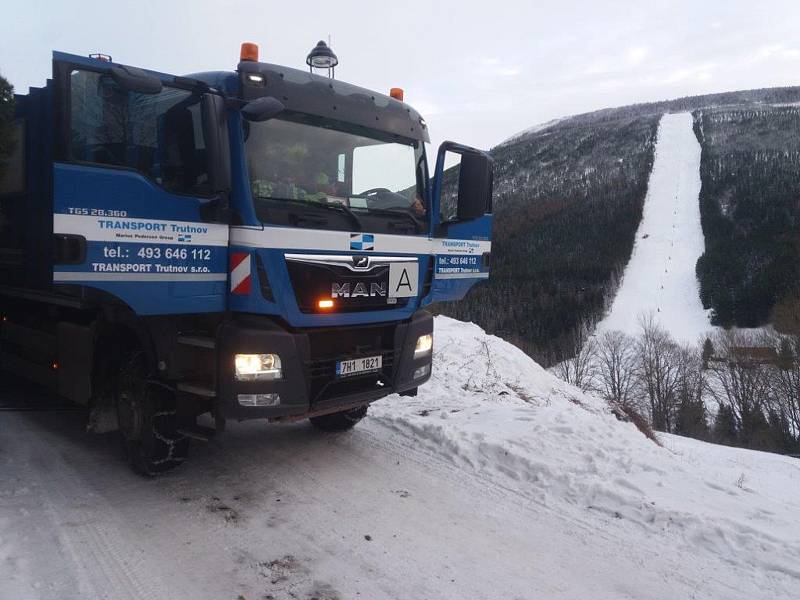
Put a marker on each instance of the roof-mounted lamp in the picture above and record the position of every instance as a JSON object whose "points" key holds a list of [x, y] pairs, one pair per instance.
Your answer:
{"points": [[322, 57], [249, 52]]}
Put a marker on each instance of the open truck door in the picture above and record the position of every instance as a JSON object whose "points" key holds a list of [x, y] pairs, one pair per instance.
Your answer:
{"points": [[462, 220], [140, 184]]}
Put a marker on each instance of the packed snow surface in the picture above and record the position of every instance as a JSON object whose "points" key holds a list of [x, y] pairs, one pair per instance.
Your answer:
{"points": [[660, 277], [498, 481]]}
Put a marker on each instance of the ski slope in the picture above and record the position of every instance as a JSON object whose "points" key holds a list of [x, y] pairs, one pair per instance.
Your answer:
{"points": [[498, 481], [660, 276]]}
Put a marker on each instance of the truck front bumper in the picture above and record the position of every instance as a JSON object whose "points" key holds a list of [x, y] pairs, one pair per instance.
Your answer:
{"points": [[309, 384]]}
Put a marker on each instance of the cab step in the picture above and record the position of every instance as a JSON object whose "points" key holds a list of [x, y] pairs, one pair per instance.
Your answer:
{"points": [[197, 388], [198, 341]]}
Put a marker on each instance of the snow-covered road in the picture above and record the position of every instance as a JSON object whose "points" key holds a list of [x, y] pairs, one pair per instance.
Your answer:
{"points": [[660, 276], [497, 481]]}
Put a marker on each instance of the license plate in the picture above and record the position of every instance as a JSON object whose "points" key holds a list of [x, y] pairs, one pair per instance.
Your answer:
{"points": [[356, 366]]}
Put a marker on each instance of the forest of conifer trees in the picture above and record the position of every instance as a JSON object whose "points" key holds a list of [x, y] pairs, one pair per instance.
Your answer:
{"points": [[568, 201]]}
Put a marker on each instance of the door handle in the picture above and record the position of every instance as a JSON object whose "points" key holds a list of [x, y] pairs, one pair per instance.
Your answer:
{"points": [[69, 249]]}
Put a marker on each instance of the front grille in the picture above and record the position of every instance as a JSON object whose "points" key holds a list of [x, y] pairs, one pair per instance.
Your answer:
{"points": [[326, 368], [313, 282], [329, 346]]}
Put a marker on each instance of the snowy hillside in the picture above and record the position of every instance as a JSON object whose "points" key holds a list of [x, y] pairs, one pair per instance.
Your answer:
{"points": [[497, 481], [660, 277], [530, 131]]}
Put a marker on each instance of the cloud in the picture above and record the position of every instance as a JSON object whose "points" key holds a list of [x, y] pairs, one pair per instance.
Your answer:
{"points": [[637, 55], [773, 52], [598, 67], [697, 73]]}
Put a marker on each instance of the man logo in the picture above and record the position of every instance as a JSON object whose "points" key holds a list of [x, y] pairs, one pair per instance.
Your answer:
{"points": [[359, 290], [360, 262]]}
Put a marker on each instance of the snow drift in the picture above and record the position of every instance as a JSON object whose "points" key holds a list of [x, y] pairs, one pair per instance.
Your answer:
{"points": [[492, 410], [497, 481]]}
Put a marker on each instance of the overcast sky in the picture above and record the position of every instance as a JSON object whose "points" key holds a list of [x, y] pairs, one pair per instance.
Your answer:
{"points": [[478, 71]]}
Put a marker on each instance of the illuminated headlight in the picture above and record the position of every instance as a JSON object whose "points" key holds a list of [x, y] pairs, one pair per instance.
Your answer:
{"points": [[258, 367], [424, 345]]}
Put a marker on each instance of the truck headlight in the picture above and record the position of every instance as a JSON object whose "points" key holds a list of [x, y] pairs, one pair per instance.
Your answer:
{"points": [[424, 345], [258, 367], [422, 371]]}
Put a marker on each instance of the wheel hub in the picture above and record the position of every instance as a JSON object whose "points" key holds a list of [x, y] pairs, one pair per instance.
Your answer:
{"points": [[129, 411]]}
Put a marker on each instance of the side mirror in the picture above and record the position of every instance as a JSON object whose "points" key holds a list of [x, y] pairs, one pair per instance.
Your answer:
{"points": [[474, 186], [463, 191], [132, 79], [262, 109]]}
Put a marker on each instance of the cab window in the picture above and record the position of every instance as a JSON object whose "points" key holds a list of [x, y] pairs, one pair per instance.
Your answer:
{"points": [[159, 135]]}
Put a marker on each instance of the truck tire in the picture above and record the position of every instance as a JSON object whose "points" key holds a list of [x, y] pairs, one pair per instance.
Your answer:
{"points": [[147, 420], [340, 421]]}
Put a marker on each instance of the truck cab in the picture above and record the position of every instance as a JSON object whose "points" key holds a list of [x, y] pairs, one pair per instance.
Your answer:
{"points": [[259, 243]]}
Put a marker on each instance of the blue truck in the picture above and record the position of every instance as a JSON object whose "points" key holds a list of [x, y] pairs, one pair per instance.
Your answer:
{"points": [[249, 244]]}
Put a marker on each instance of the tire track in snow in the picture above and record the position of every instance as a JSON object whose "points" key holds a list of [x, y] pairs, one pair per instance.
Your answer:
{"points": [[88, 532], [385, 511]]}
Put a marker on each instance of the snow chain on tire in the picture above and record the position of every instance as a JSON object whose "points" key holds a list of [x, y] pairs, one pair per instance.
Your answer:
{"points": [[148, 421]]}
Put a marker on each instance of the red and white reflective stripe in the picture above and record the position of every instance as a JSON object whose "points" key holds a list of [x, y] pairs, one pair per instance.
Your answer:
{"points": [[241, 280]]}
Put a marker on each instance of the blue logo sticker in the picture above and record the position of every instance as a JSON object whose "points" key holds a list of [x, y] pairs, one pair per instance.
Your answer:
{"points": [[362, 241], [184, 237]]}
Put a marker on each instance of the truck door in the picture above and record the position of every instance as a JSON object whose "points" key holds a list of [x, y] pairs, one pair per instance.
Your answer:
{"points": [[137, 187], [462, 220]]}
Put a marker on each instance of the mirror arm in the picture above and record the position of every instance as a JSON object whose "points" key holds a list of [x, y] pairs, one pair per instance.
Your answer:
{"points": [[262, 109], [136, 80]]}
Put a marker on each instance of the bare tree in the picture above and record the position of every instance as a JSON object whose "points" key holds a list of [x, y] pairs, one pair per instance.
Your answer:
{"points": [[580, 367], [691, 418], [616, 368], [741, 380], [658, 369], [785, 381]]}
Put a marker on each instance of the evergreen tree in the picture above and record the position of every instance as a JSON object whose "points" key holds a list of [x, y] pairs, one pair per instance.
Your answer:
{"points": [[724, 430], [6, 118], [708, 352], [780, 432], [759, 434], [691, 420], [749, 212]]}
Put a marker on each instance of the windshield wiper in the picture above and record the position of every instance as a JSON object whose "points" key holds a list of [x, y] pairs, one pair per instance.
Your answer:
{"points": [[340, 208], [346, 210], [397, 212]]}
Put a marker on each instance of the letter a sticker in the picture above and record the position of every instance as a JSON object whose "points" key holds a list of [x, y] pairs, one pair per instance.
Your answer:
{"points": [[403, 279]]}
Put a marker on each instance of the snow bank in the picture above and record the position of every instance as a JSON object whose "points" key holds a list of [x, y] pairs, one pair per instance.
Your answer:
{"points": [[497, 481], [492, 410]]}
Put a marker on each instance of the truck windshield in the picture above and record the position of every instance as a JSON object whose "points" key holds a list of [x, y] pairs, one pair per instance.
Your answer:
{"points": [[307, 172]]}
